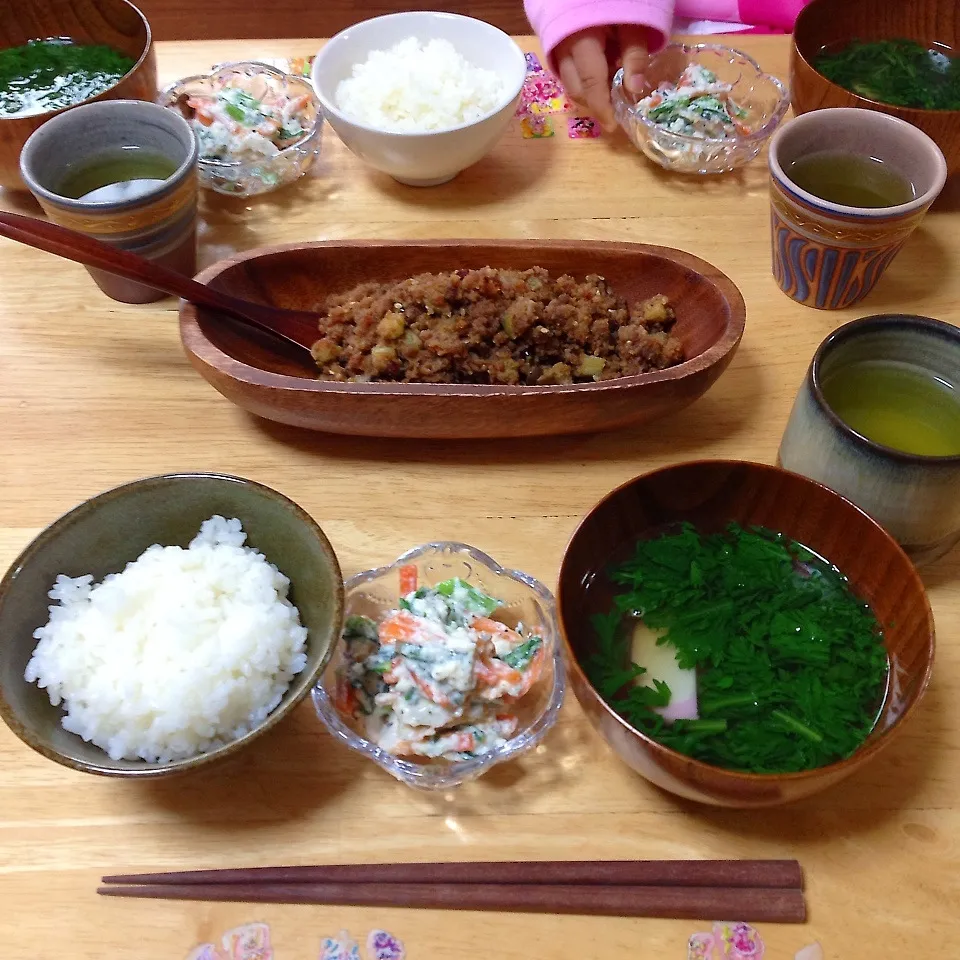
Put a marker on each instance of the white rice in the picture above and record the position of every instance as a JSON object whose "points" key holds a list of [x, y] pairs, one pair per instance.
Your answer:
{"points": [[414, 87], [183, 651]]}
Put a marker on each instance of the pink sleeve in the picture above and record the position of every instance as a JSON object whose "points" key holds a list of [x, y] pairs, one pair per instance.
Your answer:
{"points": [[771, 13], [555, 20]]}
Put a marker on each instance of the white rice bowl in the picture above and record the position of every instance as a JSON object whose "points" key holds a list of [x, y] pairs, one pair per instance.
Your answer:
{"points": [[418, 88], [182, 652]]}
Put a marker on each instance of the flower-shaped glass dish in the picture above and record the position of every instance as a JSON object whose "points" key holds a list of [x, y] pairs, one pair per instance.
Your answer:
{"points": [[762, 96], [375, 592], [248, 171]]}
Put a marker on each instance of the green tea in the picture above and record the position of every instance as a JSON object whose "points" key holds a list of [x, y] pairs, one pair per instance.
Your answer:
{"points": [[120, 175], [898, 405], [851, 179]]}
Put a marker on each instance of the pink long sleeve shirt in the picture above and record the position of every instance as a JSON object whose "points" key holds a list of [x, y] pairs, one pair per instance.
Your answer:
{"points": [[555, 20]]}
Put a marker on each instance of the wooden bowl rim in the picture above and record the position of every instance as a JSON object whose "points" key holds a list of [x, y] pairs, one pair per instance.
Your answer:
{"points": [[905, 112], [196, 343], [94, 98], [154, 770], [706, 771]]}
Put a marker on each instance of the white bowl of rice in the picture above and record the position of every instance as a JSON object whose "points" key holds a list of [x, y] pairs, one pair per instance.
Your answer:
{"points": [[420, 95], [165, 624]]}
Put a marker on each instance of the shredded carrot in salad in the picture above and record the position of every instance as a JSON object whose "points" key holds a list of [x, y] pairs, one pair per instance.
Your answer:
{"points": [[438, 677], [698, 105]]}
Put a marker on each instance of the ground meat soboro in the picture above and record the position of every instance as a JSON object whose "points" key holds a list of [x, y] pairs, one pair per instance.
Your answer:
{"points": [[492, 326]]}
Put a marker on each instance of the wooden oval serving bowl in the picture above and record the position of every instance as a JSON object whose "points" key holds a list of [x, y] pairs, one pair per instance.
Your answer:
{"points": [[263, 377], [710, 494], [827, 23], [116, 23]]}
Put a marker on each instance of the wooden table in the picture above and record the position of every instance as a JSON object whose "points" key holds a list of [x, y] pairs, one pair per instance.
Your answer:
{"points": [[94, 393]]}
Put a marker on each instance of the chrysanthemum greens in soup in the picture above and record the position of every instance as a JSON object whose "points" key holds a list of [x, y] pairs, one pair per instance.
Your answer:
{"points": [[45, 75], [902, 73], [742, 649]]}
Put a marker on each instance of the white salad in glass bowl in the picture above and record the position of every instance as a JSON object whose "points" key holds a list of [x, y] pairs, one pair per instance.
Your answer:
{"points": [[257, 127], [702, 108], [448, 664]]}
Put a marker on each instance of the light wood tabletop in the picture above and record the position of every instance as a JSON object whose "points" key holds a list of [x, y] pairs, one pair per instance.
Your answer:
{"points": [[94, 393]]}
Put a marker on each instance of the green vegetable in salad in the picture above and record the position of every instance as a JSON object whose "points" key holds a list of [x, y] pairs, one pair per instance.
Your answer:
{"points": [[791, 667], [902, 73]]}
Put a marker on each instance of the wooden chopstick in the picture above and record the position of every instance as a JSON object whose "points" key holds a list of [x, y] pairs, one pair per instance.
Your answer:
{"points": [[764, 904], [664, 873]]}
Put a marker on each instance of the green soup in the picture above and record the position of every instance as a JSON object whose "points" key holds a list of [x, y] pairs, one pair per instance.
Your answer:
{"points": [[898, 405], [851, 179], [45, 75]]}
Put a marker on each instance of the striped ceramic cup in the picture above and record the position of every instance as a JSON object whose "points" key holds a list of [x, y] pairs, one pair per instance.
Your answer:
{"points": [[828, 255], [154, 216]]}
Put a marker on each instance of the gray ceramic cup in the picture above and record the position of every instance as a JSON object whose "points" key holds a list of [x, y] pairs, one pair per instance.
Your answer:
{"points": [[159, 223], [916, 498]]}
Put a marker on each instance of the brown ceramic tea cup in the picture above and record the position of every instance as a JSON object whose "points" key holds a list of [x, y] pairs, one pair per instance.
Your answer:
{"points": [[154, 216], [829, 255]]}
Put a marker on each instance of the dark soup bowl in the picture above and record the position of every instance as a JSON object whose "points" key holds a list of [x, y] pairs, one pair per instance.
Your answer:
{"points": [[112, 23], [829, 25], [710, 495]]}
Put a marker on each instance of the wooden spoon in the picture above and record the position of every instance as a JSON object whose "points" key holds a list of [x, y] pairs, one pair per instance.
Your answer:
{"points": [[299, 327]]}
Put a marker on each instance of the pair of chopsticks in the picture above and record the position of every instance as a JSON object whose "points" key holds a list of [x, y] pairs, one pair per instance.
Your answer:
{"points": [[750, 890]]}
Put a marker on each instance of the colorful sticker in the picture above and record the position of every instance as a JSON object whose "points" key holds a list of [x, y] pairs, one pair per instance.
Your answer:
{"points": [[206, 951], [533, 63], [536, 128], [582, 128], [384, 946], [340, 947], [249, 942], [700, 947], [727, 941], [541, 94], [738, 941], [301, 66]]}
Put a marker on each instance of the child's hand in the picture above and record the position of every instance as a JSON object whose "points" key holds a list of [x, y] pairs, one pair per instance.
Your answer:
{"points": [[586, 62]]}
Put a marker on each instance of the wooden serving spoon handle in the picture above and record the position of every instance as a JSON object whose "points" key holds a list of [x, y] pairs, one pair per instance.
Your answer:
{"points": [[295, 326]]}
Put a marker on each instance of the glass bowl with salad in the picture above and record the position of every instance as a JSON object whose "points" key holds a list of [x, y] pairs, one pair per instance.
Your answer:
{"points": [[702, 108], [448, 664], [258, 128]]}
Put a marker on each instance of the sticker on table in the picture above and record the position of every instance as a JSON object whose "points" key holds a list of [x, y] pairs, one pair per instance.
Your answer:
{"points": [[301, 66], [533, 63], [249, 942], [536, 128], [384, 946], [206, 951], [582, 128], [542, 93], [340, 947], [737, 941], [727, 941], [700, 947]]}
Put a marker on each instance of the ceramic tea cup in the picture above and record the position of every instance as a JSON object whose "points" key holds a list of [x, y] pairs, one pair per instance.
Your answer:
{"points": [[916, 497], [150, 213], [829, 255]]}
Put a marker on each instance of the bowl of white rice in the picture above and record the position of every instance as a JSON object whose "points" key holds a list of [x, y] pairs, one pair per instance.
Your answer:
{"points": [[165, 624], [420, 95]]}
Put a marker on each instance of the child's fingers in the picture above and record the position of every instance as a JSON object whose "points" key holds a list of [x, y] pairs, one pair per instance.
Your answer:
{"points": [[585, 73], [633, 54]]}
